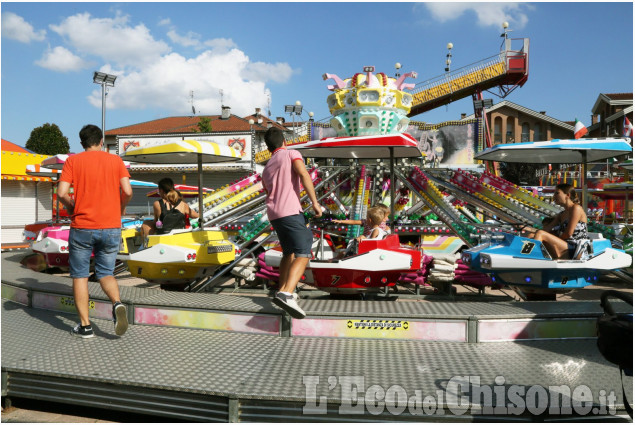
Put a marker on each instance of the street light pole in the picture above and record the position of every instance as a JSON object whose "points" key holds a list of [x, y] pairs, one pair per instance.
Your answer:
{"points": [[253, 145], [448, 57], [103, 80]]}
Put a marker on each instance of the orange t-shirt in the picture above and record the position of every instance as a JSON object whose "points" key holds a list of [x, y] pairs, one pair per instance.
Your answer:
{"points": [[95, 177]]}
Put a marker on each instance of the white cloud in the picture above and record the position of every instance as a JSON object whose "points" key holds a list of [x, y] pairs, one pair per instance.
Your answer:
{"points": [[488, 14], [191, 39], [113, 39], [164, 22], [16, 28], [221, 43], [151, 75], [260, 71], [167, 82], [62, 60]]}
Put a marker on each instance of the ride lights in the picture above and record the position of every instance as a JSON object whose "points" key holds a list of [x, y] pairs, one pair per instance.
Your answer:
{"points": [[486, 261], [63, 248], [384, 280], [191, 256], [367, 279], [527, 279]]}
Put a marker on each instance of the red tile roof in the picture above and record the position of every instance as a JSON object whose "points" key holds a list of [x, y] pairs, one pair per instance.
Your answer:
{"points": [[189, 125]]}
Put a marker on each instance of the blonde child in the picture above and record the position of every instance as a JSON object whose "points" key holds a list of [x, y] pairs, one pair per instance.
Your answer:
{"points": [[374, 218], [367, 227]]}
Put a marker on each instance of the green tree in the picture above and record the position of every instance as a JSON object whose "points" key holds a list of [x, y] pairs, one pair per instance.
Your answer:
{"points": [[204, 125], [48, 140], [522, 174]]}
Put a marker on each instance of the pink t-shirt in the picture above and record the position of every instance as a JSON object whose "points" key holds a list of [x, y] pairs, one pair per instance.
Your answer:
{"points": [[282, 184]]}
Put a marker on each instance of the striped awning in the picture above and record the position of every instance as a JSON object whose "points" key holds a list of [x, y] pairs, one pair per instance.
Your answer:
{"points": [[26, 178], [40, 171], [182, 152]]}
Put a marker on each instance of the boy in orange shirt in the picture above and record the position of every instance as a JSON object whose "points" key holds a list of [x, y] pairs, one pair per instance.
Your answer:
{"points": [[102, 190]]}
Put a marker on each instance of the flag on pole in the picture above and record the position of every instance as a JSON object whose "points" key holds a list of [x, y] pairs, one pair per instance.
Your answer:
{"points": [[627, 128], [579, 130]]}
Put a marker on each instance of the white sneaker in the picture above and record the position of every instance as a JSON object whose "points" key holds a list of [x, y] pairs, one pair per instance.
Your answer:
{"points": [[289, 304]]}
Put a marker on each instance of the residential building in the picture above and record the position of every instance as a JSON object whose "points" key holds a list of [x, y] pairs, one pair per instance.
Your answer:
{"points": [[608, 112], [510, 123]]}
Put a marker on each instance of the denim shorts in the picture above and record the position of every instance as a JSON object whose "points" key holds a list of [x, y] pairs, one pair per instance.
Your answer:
{"points": [[83, 242], [294, 236]]}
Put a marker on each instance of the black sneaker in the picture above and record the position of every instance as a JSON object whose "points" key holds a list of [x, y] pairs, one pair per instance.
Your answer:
{"points": [[83, 331], [120, 316], [289, 304]]}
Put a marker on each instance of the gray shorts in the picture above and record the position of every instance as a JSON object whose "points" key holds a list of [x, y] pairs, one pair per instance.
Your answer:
{"points": [[294, 236]]}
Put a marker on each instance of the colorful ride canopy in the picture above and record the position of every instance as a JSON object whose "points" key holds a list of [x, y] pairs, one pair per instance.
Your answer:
{"points": [[557, 151], [182, 152], [56, 162], [402, 145]]}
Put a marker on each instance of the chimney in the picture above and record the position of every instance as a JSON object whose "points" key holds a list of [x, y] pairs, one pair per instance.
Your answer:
{"points": [[226, 112], [594, 119], [463, 115], [257, 112], [543, 112]]}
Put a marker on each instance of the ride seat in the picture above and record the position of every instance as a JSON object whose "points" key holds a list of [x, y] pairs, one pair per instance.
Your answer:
{"points": [[389, 242]]}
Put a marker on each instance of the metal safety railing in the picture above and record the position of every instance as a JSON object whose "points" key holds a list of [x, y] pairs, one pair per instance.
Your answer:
{"points": [[462, 78]]}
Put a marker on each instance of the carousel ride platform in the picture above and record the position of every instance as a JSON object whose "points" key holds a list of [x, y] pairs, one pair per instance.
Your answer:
{"points": [[214, 357]]}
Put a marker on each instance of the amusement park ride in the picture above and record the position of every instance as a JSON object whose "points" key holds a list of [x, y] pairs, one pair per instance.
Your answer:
{"points": [[373, 159]]}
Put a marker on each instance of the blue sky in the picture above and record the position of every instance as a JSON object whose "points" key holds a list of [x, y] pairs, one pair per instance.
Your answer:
{"points": [[270, 54]]}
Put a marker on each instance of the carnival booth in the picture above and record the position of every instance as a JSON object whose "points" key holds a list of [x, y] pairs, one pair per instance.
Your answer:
{"points": [[25, 198]]}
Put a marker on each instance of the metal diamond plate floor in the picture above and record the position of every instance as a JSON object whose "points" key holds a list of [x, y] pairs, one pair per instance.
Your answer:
{"points": [[14, 273], [273, 368]]}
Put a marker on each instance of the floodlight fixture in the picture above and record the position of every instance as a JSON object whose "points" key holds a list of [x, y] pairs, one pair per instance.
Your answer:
{"points": [[103, 78], [294, 110], [483, 103]]}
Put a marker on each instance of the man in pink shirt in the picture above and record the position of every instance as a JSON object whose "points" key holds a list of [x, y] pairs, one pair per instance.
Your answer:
{"points": [[281, 179]]}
